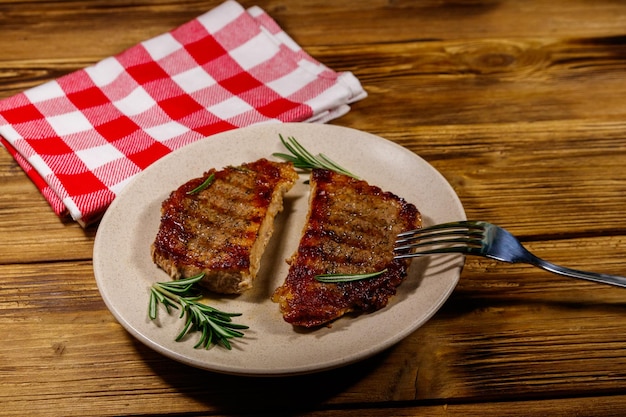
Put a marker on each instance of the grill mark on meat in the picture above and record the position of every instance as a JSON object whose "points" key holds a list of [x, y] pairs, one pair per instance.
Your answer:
{"points": [[350, 228], [223, 229]]}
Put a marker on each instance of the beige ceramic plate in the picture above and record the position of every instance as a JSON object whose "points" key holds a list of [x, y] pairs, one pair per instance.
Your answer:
{"points": [[124, 270]]}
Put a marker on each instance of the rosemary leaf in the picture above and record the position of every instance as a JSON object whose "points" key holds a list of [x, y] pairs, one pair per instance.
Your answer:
{"points": [[202, 186], [336, 278], [152, 307], [185, 330]]}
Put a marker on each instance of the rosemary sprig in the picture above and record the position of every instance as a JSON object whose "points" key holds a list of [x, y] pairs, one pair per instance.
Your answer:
{"points": [[216, 326], [202, 186], [303, 159], [335, 278]]}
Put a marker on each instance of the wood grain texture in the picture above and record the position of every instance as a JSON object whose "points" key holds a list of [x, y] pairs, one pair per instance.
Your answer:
{"points": [[519, 105]]}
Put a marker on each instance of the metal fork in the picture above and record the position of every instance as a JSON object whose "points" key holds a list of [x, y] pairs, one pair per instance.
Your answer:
{"points": [[484, 239]]}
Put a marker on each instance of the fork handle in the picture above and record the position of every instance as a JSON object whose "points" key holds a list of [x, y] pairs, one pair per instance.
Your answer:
{"points": [[574, 273]]}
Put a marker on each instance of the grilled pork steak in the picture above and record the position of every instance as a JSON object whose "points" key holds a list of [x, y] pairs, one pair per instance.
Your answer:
{"points": [[350, 229], [223, 229]]}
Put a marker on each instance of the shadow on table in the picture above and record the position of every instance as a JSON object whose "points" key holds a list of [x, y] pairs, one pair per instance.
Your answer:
{"points": [[233, 393]]}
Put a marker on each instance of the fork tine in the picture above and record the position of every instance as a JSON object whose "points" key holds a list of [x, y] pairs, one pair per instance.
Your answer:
{"points": [[455, 237], [440, 250], [437, 241], [443, 229], [464, 224]]}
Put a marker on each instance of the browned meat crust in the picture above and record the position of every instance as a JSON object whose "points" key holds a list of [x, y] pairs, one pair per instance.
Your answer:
{"points": [[223, 229], [351, 228]]}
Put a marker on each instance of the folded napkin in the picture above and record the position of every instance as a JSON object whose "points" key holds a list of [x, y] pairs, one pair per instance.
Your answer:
{"points": [[84, 136]]}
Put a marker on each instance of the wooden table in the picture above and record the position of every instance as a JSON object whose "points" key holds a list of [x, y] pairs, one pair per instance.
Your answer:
{"points": [[519, 104]]}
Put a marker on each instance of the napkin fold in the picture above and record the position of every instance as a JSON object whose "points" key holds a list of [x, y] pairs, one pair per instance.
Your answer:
{"points": [[82, 137]]}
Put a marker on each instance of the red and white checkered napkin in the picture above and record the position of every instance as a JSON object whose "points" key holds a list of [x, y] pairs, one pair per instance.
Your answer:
{"points": [[82, 137]]}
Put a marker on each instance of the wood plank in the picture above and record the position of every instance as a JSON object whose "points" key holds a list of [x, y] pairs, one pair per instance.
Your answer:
{"points": [[310, 23], [432, 19], [571, 186], [560, 407], [486, 80]]}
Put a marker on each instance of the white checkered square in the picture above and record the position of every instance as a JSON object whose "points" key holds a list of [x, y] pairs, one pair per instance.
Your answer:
{"points": [[44, 92], [161, 46], [138, 101], [10, 133], [292, 82], [213, 21], [68, 123], [331, 98], [255, 51], [194, 80], [105, 71], [230, 108], [99, 155], [167, 131], [40, 165], [311, 67]]}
